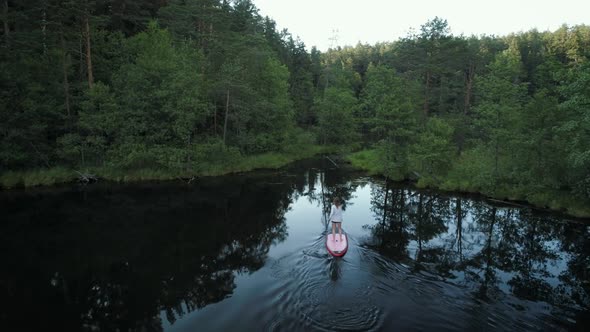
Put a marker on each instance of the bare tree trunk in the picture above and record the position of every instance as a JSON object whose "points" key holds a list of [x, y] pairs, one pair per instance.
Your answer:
{"points": [[497, 149], [188, 158], [65, 73], [88, 51], [81, 61], [426, 108], [6, 26], [226, 116], [44, 28], [206, 46], [441, 93], [199, 25], [469, 77], [215, 119]]}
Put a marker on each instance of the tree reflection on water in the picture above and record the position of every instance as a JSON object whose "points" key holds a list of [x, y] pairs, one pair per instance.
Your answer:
{"points": [[117, 257], [111, 260], [491, 250]]}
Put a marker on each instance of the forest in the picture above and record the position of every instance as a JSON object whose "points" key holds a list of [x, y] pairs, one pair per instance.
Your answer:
{"points": [[165, 89]]}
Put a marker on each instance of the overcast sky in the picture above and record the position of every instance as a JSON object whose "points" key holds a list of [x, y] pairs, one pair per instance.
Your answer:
{"points": [[371, 21]]}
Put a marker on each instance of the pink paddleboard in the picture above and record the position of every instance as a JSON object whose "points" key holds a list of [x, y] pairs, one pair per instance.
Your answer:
{"points": [[336, 247]]}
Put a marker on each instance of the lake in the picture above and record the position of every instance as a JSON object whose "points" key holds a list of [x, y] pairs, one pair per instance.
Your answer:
{"points": [[247, 252]]}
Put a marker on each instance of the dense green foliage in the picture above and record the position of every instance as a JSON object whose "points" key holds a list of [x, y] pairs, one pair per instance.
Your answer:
{"points": [[188, 87], [173, 87], [505, 116]]}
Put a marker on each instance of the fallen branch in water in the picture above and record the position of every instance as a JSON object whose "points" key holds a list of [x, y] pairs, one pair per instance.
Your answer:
{"points": [[332, 161], [86, 178], [187, 180]]}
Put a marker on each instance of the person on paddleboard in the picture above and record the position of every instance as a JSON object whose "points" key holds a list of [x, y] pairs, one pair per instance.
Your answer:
{"points": [[336, 217]]}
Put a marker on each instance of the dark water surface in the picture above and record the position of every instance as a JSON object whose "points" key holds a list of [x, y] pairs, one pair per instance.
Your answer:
{"points": [[247, 253]]}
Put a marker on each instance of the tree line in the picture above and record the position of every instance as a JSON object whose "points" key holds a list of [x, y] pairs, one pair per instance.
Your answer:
{"points": [[506, 116], [186, 85], [147, 84]]}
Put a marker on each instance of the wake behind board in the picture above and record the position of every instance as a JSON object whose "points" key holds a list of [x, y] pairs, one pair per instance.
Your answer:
{"points": [[336, 247]]}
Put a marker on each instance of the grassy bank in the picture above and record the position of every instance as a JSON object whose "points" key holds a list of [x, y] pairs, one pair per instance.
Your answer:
{"points": [[457, 181], [60, 175]]}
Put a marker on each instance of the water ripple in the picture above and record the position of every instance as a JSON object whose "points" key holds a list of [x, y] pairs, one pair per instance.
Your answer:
{"points": [[316, 291], [365, 291]]}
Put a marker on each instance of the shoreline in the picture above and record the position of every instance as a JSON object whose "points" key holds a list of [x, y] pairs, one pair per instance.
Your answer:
{"points": [[548, 201], [12, 180], [552, 202]]}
